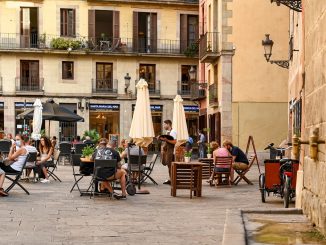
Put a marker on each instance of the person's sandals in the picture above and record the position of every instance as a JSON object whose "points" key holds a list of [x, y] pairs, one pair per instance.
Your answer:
{"points": [[119, 196], [3, 193]]}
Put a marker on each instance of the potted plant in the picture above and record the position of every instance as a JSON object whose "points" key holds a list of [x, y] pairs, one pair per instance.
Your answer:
{"points": [[187, 156], [209, 151], [88, 151], [93, 134], [42, 41]]}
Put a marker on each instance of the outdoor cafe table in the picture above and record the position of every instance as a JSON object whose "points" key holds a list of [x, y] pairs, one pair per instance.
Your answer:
{"points": [[90, 161], [186, 176]]}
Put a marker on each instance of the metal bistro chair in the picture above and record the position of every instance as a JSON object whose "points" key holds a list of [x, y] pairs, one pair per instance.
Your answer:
{"points": [[51, 166], [65, 150], [32, 159], [134, 168], [100, 164], [79, 148], [148, 169], [75, 162], [17, 177], [5, 147]]}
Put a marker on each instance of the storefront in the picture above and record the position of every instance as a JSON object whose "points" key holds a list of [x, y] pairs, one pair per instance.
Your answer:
{"points": [[192, 112], [23, 126], [105, 119], [156, 117], [2, 116]]}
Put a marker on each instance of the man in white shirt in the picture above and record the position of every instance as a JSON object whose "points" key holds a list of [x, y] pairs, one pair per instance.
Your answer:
{"points": [[167, 148]]}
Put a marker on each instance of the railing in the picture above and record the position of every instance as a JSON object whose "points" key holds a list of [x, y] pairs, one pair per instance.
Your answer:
{"points": [[208, 44], [154, 89], [213, 97], [94, 44], [105, 86], [184, 88], [29, 84], [198, 90]]}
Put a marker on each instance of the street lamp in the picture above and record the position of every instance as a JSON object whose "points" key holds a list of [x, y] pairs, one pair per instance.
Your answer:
{"points": [[192, 73], [268, 46], [295, 5], [127, 82]]}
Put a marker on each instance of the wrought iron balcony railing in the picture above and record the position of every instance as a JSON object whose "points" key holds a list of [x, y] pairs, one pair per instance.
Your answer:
{"points": [[198, 90], [105, 86], [29, 84], [184, 88], [9, 41], [209, 47]]}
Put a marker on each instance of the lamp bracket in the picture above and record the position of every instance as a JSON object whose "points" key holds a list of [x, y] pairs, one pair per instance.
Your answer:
{"points": [[295, 5], [282, 63]]}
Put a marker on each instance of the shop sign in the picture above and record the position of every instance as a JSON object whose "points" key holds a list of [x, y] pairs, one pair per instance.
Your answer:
{"points": [[153, 107], [2, 104], [23, 104], [104, 107], [191, 108]]}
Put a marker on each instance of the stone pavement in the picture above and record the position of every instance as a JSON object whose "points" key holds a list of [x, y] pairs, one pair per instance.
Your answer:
{"points": [[52, 215]]}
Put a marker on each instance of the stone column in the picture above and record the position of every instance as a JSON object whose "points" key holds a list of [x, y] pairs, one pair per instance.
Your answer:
{"points": [[9, 116]]}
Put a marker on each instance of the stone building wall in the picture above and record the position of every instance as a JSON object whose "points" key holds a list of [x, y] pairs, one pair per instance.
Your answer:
{"points": [[314, 190]]}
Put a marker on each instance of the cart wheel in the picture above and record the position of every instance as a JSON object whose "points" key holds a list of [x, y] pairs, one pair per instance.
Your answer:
{"points": [[131, 189], [262, 187], [287, 191]]}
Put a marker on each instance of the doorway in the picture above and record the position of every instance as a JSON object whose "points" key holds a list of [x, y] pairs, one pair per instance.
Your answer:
{"points": [[29, 27]]}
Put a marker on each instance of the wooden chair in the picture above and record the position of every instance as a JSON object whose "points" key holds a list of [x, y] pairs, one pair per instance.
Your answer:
{"points": [[242, 173], [208, 167], [222, 171]]}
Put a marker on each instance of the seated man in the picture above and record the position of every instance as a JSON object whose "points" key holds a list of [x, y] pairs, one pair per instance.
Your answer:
{"points": [[18, 158], [240, 160], [105, 153]]}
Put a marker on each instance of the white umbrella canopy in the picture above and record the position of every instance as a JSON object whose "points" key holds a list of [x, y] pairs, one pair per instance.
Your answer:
{"points": [[141, 130], [179, 123], [37, 119]]}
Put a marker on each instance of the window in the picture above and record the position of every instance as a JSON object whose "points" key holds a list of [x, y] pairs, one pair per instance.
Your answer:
{"points": [[29, 75], [67, 70], [297, 117], [147, 72], [185, 79], [104, 76], [67, 22]]}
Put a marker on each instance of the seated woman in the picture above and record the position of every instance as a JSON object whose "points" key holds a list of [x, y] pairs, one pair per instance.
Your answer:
{"points": [[133, 150], [105, 153], [221, 152], [18, 157], [46, 151]]}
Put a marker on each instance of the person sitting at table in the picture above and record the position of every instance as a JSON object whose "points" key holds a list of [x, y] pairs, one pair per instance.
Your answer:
{"points": [[54, 142], [46, 151], [240, 160], [105, 153], [214, 145], [133, 150], [18, 157], [220, 152]]}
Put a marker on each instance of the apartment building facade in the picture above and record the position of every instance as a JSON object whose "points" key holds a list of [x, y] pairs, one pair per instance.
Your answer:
{"points": [[88, 57], [245, 94]]}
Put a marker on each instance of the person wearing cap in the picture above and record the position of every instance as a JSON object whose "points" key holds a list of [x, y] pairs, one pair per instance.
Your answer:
{"points": [[105, 153]]}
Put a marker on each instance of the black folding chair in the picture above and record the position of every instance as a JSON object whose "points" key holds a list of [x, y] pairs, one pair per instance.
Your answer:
{"points": [[51, 166], [79, 148], [98, 165], [32, 159], [5, 147], [17, 177], [135, 168], [65, 150], [148, 169], [78, 176]]}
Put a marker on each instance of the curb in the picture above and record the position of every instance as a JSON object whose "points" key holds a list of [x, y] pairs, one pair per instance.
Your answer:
{"points": [[234, 227]]}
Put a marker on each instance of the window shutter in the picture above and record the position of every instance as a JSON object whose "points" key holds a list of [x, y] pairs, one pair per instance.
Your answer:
{"points": [[116, 27], [183, 32], [91, 26], [153, 32], [135, 32], [25, 23]]}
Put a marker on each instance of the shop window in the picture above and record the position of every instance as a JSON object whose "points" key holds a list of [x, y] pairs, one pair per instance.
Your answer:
{"points": [[105, 123], [67, 22], [68, 70]]}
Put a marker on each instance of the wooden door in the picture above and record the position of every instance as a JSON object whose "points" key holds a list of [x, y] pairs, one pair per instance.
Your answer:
{"points": [[25, 27], [153, 33], [29, 75], [135, 40], [183, 32]]}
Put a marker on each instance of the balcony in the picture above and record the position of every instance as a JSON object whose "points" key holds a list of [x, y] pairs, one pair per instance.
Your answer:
{"points": [[107, 45], [213, 97], [32, 85], [198, 91], [184, 89], [208, 47], [154, 89], [105, 87]]}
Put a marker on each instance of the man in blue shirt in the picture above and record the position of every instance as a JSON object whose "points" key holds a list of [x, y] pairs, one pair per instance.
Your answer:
{"points": [[240, 160]]}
